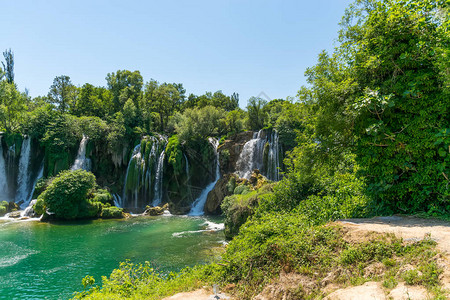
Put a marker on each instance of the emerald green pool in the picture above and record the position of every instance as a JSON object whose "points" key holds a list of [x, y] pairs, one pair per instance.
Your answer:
{"points": [[47, 261]]}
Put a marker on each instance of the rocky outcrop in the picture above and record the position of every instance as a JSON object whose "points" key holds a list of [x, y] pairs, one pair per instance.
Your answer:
{"points": [[216, 196], [230, 150], [156, 210]]}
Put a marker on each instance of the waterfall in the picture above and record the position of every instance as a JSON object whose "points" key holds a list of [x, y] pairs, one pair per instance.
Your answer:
{"points": [[144, 177], [29, 211], [199, 203], [23, 178], [28, 201], [117, 200], [262, 153], [187, 165], [273, 159], [129, 181], [81, 162], [3, 178], [158, 179]]}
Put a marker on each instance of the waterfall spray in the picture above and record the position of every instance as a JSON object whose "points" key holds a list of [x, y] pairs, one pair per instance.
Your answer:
{"points": [[253, 156], [81, 162]]}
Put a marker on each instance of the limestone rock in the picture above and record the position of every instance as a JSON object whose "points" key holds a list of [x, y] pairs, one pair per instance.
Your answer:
{"points": [[230, 150], [14, 214], [13, 206], [156, 210], [369, 290], [216, 196]]}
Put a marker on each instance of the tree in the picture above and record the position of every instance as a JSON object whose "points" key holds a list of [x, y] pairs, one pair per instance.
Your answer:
{"points": [[256, 114], [197, 123], [12, 106], [234, 121], [124, 85], [92, 101], [9, 67], [384, 94], [62, 92], [165, 99]]}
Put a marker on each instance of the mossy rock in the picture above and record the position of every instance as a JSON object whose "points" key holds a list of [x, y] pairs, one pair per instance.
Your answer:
{"points": [[112, 212]]}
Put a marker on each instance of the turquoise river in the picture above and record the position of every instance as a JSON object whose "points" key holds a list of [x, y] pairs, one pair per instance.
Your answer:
{"points": [[48, 260]]}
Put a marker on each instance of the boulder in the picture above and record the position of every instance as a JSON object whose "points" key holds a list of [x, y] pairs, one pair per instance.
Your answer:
{"points": [[14, 214], [216, 196], [13, 206], [155, 210]]}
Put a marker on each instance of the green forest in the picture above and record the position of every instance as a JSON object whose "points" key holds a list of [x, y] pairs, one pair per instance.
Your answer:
{"points": [[369, 135]]}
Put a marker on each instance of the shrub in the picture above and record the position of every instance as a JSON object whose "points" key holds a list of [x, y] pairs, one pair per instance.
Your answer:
{"points": [[3, 208], [39, 206], [241, 190], [102, 196], [112, 212], [66, 196]]}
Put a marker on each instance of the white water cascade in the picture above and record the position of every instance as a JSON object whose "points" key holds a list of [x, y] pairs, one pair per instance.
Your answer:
{"points": [[144, 177], [187, 165], [262, 153], [23, 178], [159, 180], [199, 203], [3, 178], [28, 203], [81, 162], [135, 161]]}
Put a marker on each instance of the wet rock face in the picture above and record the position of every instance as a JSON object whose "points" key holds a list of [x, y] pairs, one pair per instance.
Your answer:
{"points": [[230, 150], [216, 196]]}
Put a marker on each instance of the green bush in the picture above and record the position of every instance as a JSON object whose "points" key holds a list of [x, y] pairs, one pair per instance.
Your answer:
{"points": [[39, 206], [67, 195], [112, 212], [3, 208], [102, 197], [241, 190]]}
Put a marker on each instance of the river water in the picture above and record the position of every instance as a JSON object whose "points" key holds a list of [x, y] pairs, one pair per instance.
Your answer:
{"points": [[48, 260]]}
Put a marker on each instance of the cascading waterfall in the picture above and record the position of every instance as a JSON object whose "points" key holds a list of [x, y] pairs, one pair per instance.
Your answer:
{"points": [[19, 172], [262, 153], [134, 164], [3, 178], [187, 165], [29, 203], [273, 159], [23, 178], [143, 180], [199, 203], [159, 180], [81, 162]]}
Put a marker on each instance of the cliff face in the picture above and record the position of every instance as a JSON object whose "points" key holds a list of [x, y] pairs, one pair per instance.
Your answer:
{"points": [[230, 150]]}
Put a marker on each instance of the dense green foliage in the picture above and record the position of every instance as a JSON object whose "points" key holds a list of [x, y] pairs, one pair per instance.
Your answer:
{"points": [[383, 94], [74, 195], [67, 195]]}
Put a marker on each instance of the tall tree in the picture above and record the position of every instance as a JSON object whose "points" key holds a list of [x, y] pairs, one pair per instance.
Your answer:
{"points": [[12, 106], [384, 92], [256, 113], [124, 85], [9, 67], [165, 100], [62, 92]]}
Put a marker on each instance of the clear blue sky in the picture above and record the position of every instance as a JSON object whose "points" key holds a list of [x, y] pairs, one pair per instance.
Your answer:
{"points": [[242, 46]]}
